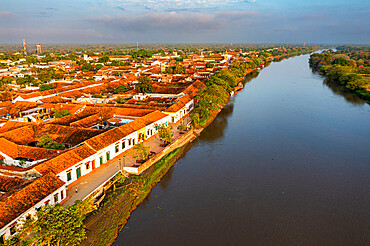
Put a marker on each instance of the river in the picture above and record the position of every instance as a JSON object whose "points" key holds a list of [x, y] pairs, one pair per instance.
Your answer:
{"points": [[287, 162]]}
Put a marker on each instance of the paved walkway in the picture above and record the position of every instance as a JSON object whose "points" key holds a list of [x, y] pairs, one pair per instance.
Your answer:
{"points": [[91, 181]]}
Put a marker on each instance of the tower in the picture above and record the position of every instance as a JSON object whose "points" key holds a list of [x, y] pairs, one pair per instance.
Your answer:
{"points": [[38, 49], [137, 45], [24, 46]]}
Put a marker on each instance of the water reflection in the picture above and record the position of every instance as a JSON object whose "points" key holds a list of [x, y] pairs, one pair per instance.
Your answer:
{"points": [[166, 179], [342, 91], [218, 126], [250, 76]]}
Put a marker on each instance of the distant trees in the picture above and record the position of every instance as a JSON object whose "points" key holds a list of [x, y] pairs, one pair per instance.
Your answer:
{"points": [[103, 59], [144, 85], [87, 67], [176, 69], [45, 75], [5, 80], [97, 96], [120, 89], [26, 80], [341, 67], [120, 63], [141, 54], [45, 87], [209, 65]]}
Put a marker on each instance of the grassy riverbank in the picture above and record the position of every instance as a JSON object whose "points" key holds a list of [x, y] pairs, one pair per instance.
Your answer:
{"points": [[104, 224]]}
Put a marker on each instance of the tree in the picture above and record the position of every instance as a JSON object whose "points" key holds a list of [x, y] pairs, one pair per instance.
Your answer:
{"points": [[48, 143], [352, 81], [227, 76], [165, 133], [177, 69], [120, 89], [60, 113], [120, 100], [141, 151], [45, 87], [86, 67], [97, 96], [57, 225], [26, 80], [209, 65], [141, 53], [5, 80], [103, 59], [144, 85]]}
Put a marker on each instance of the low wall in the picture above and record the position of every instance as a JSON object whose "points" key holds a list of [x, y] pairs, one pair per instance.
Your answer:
{"points": [[181, 141]]}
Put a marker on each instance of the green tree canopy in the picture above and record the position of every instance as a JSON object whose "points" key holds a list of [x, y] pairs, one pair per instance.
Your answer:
{"points": [[60, 113], [144, 85], [120, 89], [48, 143], [103, 59], [177, 69], [165, 133]]}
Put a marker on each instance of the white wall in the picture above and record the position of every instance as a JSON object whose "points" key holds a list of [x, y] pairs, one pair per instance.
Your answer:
{"points": [[32, 211]]}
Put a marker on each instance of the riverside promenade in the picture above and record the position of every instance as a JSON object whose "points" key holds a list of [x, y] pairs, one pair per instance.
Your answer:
{"points": [[87, 184]]}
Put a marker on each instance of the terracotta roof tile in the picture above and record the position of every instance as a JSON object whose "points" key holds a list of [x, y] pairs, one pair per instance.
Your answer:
{"points": [[22, 200]]}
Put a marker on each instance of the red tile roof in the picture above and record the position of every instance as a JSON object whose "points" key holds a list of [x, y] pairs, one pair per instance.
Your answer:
{"points": [[22, 200], [65, 160]]}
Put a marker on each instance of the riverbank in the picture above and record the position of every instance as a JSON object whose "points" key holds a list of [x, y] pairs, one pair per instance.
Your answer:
{"points": [[122, 198], [346, 68], [104, 224]]}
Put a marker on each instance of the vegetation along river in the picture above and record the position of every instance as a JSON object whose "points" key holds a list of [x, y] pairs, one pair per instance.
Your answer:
{"points": [[287, 162]]}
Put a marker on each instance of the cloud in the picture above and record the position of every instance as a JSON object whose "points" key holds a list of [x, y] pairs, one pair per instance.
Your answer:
{"points": [[120, 8], [175, 22], [160, 5], [6, 14]]}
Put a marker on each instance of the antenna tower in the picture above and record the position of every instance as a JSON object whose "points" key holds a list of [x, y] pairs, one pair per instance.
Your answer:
{"points": [[24, 46]]}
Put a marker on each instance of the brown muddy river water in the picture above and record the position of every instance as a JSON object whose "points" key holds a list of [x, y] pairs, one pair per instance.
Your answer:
{"points": [[287, 162]]}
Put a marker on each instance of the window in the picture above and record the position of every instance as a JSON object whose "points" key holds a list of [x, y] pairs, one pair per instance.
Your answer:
{"points": [[173, 119], [148, 133], [13, 229], [69, 176], [87, 165], [56, 198], [133, 141], [101, 160], [123, 144], [129, 142], [61, 195], [108, 155], [2, 238], [117, 148]]}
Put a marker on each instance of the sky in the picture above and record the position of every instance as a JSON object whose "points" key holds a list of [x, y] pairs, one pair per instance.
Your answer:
{"points": [[187, 21]]}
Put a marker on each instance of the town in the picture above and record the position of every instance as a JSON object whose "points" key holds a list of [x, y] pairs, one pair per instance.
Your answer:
{"points": [[68, 117]]}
